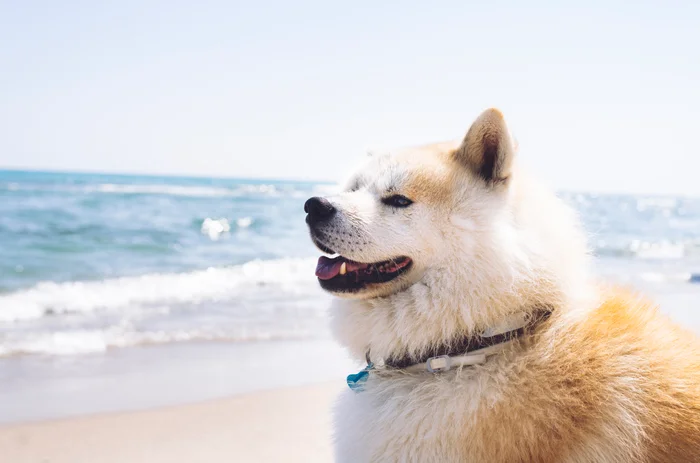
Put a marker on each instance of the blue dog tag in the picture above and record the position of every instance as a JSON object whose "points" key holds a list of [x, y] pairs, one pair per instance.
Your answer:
{"points": [[357, 381]]}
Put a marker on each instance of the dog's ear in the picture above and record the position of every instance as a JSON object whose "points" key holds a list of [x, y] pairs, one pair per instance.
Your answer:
{"points": [[488, 149]]}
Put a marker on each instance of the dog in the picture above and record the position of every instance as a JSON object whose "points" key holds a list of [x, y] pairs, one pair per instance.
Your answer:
{"points": [[464, 285]]}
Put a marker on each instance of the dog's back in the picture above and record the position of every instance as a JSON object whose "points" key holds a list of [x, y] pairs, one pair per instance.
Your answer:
{"points": [[620, 384]]}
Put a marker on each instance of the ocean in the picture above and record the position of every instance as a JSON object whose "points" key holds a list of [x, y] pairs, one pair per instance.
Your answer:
{"points": [[91, 263], [121, 292]]}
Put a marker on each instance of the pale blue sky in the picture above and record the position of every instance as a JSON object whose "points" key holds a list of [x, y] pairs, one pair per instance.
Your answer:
{"points": [[601, 96]]}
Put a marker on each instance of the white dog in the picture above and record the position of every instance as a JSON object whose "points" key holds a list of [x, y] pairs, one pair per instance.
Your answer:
{"points": [[465, 286]]}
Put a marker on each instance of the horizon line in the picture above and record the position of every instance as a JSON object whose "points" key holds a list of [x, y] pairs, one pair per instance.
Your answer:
{"points": [[156, 175], [297, 180]]}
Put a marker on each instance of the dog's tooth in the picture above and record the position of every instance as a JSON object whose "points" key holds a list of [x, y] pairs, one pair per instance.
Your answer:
{"points": [[343, 269]]}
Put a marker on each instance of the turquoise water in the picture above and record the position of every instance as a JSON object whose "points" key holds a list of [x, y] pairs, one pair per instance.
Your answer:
{"points": [[91, 262], [74, 227]]}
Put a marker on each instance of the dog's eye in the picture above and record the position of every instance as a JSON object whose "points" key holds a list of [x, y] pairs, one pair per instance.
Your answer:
{"points": [[397, 201]]}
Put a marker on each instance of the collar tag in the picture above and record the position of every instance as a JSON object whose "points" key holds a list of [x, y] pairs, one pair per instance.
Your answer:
{"points": [[437, 364], [357, 381]]}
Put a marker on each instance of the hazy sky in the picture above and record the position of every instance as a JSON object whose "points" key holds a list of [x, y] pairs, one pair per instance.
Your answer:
{"points": [[601, 96]]}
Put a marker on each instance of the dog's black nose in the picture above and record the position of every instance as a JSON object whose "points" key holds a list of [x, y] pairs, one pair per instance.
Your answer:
{"points": [[317, 209]]}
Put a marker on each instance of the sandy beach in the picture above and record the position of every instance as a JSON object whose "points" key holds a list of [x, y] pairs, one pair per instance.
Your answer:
{"points": [[290, 425]]}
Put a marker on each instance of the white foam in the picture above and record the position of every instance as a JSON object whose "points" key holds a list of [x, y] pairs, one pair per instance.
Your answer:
{"points": [[88, 341], [657, 277], [174, 190], [656, 203], [657, 250], [59, 343], [215, 227], [292, 276], [244, 222]]}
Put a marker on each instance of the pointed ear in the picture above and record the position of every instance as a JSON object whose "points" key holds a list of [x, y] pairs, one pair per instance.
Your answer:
{"points": [[488, 149]]}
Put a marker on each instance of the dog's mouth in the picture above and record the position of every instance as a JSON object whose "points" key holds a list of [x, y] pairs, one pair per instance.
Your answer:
{"points": [[343, 275]]}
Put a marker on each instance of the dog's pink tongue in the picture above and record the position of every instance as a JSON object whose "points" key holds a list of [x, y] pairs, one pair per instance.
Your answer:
{"points": [[328, 268]]}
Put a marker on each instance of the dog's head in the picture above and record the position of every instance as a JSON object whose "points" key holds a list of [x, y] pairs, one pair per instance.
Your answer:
{"points": [[405, 213], [445, 233]]}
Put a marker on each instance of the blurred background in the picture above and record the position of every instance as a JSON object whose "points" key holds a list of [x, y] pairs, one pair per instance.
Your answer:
{"points": [[156, 157]]}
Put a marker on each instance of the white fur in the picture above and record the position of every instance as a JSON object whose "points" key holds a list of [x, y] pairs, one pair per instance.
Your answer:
{"points": [[479, 253]]}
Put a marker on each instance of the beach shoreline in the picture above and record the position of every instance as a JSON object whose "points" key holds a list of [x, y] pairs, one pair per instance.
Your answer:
{"points": [[40, 388], [289, 424]]}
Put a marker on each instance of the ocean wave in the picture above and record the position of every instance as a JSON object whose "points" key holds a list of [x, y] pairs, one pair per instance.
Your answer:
{"points": [[649, 249], [76, 342], [159, 189], [286, 276], [214, 228], [651, 203], [659, 277], [657, 250], [172, 190]]}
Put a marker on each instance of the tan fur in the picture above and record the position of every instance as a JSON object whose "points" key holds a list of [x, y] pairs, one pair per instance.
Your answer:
{"points": [[623, 377], [487, 138], [605, 379]]}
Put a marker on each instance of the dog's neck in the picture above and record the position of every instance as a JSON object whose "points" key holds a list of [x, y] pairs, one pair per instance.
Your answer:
{"points": [[491, 339], [415, 322]]}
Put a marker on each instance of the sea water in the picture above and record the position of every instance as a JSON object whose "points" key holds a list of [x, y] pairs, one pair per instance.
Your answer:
{"points": [[94, 262]]}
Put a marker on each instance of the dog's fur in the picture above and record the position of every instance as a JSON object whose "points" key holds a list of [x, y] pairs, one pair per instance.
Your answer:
{"points": [[604, 379]]}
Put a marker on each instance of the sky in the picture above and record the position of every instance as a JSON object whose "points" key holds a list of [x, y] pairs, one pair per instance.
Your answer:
{"points": [[601, 95]]}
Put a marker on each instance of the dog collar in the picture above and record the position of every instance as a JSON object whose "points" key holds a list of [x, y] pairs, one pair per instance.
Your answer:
{"points": [[468, 351]]}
